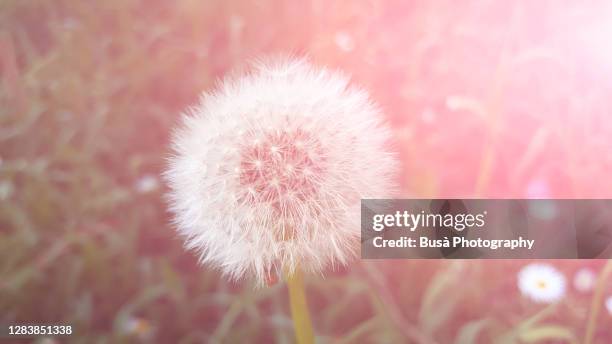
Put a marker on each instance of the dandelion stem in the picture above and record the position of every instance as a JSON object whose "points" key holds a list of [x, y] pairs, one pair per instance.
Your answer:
{"points": [[596, 302], [299, 309]]}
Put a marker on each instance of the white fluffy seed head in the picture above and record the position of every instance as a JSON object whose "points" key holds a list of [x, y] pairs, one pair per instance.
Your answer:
{"points": [[267, 171]]}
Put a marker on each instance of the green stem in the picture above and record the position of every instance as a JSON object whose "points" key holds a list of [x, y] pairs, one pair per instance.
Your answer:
{"points": [[597, 302], [299, 309]]}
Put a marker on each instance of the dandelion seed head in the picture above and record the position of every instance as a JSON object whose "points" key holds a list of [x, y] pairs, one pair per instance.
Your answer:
{"points": [[268, 170]]}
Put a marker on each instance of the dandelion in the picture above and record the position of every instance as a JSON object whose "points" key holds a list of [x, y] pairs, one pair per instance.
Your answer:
{"points": [[268, 171], [584, 280], [542, 283]]}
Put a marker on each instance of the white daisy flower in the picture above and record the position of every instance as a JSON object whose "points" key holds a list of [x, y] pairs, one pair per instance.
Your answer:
{"points": [[609, 304], [584, 280], [541, 283], [269, 169]]}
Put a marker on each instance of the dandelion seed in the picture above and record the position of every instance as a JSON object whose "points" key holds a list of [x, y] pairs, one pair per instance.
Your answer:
{"points": [[541, 283], [312, 147], [584, 280]]}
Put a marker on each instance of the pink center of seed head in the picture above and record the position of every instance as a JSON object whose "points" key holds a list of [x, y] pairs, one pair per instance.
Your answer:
{"points": [[281, 168]]}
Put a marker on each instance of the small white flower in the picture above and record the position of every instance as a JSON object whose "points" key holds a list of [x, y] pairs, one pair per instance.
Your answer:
{"points": [[609, 304], [542, 283], [269, 169], [584, 280], [146, 184]]}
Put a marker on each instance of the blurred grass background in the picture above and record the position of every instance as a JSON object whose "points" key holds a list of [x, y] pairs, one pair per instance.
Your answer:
{"points": [[487, 99]]}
